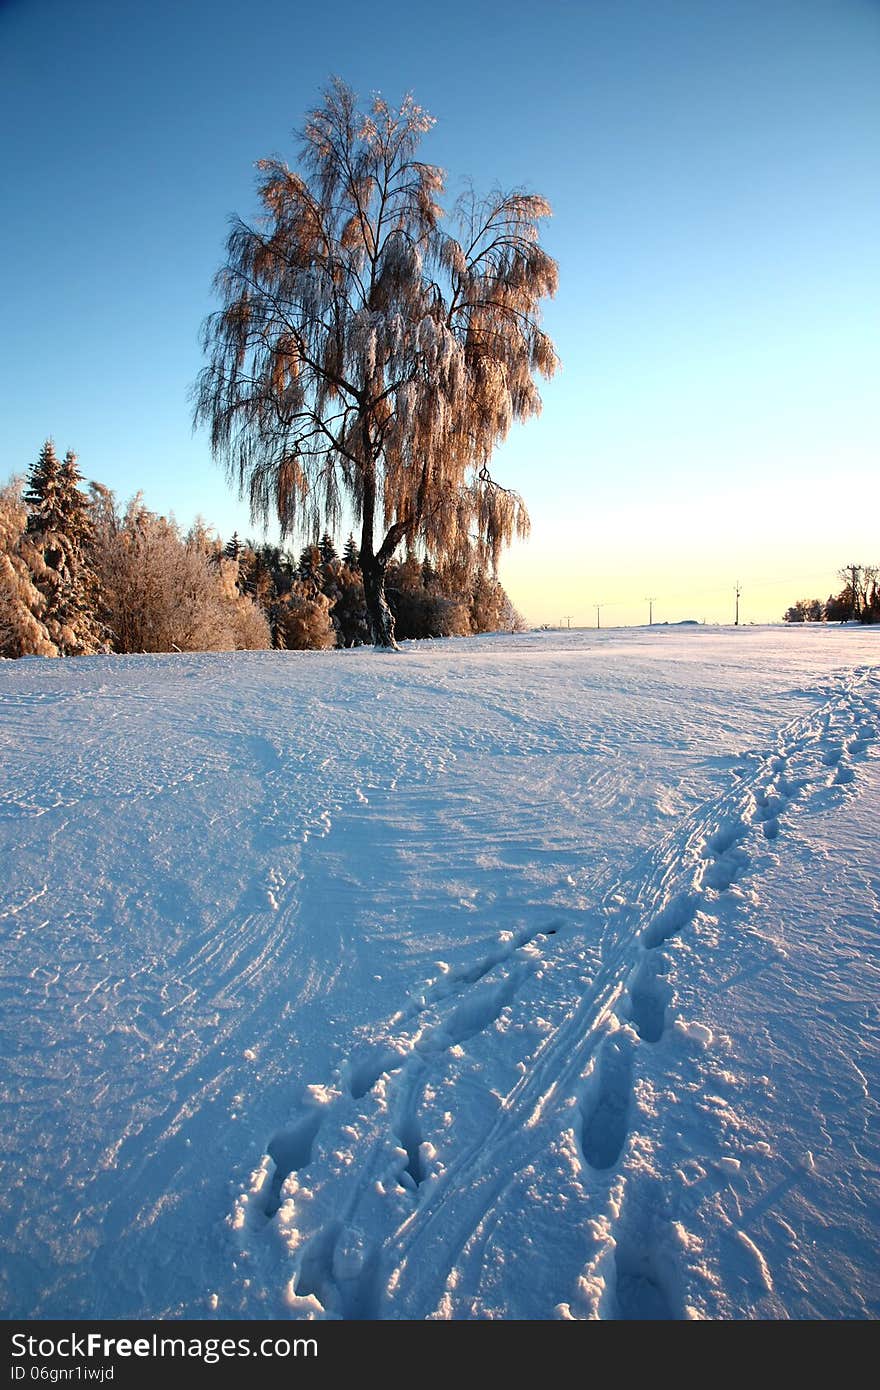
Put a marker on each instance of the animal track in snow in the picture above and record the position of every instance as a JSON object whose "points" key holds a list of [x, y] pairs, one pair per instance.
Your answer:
{"points": [[291, 1148], [690, 869], [476, 1013]]}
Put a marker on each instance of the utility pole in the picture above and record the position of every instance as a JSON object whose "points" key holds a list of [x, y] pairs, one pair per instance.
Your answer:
{"points": [[565, 619], [854, 571], [650, 602], [597, 607], [738, 592]]}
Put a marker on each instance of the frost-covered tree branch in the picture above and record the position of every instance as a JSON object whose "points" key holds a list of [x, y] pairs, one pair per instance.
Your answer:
{"points": [[365, 353]]}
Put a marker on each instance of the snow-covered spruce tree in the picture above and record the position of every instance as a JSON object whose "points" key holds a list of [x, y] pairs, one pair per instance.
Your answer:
{"points": [[59, 529], [364, 353], [22, 630]]}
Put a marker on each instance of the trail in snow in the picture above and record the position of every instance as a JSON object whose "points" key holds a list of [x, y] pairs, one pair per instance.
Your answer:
{"points": [[504, 973], [429, 1260]]}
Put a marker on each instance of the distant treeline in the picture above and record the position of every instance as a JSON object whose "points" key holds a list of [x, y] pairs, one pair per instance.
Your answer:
{"points": [[80, 574], [858, 600]]}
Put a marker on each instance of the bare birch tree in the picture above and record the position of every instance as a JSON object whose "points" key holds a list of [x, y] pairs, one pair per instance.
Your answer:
{"points": [[365, 354]]}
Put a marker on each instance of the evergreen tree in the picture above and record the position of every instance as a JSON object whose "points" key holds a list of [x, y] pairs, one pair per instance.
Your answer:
{"points": [[232, 549], [58, 527], [421, 611], [327, 549], [344, 588], [41, 489], [22, 630], [280, 565], [256, 578], [351, 555], [309, 566], [266, 574]]}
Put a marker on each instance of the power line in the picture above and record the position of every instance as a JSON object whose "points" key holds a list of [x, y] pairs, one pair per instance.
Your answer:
{"points": [[699, 596]]}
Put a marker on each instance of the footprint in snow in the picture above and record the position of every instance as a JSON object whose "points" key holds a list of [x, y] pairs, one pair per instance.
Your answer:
{"points": [[606, 1101], [290, 1150]]}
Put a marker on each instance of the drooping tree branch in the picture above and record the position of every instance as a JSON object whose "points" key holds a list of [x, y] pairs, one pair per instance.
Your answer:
{"points": [[363, 351]]}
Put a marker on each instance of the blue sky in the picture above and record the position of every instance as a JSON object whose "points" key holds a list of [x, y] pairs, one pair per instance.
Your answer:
{"points": [[713, 171]]}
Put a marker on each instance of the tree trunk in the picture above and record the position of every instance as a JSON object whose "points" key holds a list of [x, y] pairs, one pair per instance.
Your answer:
{"points": [[379, 615], [373, 566]]}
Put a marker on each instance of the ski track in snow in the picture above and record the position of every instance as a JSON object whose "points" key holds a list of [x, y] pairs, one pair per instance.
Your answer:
{"points": [[187, 941], [312, 1225]]}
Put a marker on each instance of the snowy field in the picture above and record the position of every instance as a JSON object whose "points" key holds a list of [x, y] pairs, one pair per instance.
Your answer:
{"points": [[518, 977]]}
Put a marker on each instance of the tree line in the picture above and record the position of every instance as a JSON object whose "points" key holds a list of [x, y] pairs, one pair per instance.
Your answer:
{"points": [[80, 573], [370, 351], [858, 600]]}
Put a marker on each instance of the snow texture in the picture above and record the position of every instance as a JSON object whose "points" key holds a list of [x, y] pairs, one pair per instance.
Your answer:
{"points": [[517, 977]]}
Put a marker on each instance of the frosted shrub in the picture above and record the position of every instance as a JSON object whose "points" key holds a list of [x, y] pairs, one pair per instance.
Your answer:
{"points": [[303, 620], [162, 593]]}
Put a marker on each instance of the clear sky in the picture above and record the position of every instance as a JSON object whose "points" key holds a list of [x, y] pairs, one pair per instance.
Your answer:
{"points": [[714, 171]]}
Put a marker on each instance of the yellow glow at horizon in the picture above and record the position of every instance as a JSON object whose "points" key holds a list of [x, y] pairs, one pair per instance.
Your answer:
{"points": [[688, 554]]}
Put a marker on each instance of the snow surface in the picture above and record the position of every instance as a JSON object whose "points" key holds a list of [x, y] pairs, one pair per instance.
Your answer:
{"points": [[511, 977]]}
